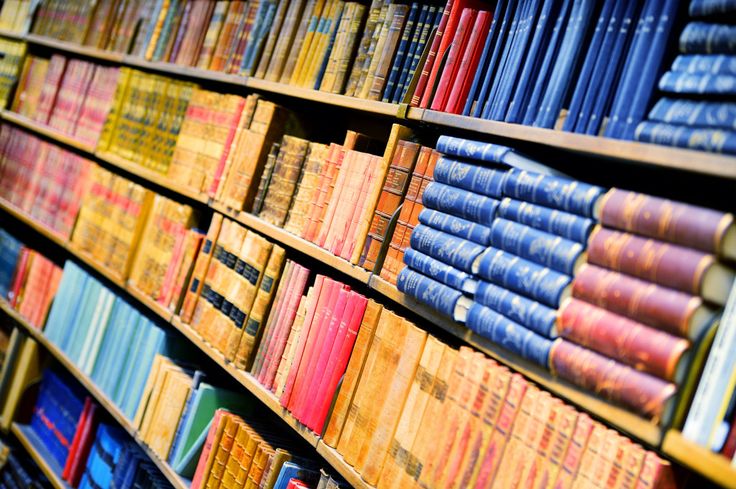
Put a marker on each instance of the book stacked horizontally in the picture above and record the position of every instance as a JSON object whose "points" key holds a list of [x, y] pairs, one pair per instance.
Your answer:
{"points": [[698, 108], [41, 179]]}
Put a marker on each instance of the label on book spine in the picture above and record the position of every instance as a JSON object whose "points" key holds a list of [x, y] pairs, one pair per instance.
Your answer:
{"points": [[461, 203], [556, 192], [470, 177], [457, 252], [553, 221], [535, 316], [456, 226]]}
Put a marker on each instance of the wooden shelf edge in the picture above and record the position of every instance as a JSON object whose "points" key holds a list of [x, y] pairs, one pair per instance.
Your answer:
{"points": [[74, 48], [101, 397], [346, 471], [45, 130], [712, 465], [39, 454], [16, 36], [620, 418], [632, 151], [164, 313], [31, 222]]}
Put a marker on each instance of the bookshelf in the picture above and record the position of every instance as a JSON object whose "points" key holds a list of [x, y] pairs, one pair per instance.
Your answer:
{"points": [[176, 481], [712, 465], [39, 454]]}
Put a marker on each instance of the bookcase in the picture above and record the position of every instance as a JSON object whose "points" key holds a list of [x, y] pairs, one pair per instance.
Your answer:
{"points": [[695, 176]]}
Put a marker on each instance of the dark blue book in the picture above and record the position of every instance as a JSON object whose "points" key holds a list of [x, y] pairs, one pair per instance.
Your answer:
{"points": [[333, 31], [457, 226], [475, 150], [548, 61], [434, 15], [9, 252], [697, 83], [566, 65], [542, 33], [555, 192], [509, 335], [611, 67], [456, 252], [712, 140], [425, 16], [715, 64], [594, 52], [522, 276], [434, 294], [703, 8], [708, 38], [517, 25], [474, 178], [261, 24], [555, 252], [651, 69], [493, 32], [696, 113], [442, 272], [461, 203], [561, 223], [494, 62], [519, 52], [531, 314], [632, 67], [402, 51]]}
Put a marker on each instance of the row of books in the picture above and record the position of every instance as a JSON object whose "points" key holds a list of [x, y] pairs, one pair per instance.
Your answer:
{"points": [[70, 95], [11, 61], [16, 15], [17, 470], [590, 67], [698, 106]]}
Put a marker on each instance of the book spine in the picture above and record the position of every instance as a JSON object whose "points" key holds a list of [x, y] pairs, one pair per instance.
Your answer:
{"points": [[452, 62], [714, 64], [428, 291], [553, 221], [697, 83], [454, 251], [510, 335], [657, 306], [531, 314], [696, 113], [638, 391], [705, 8], [555, 192], [704, 37], [542, 248], [456, 226], [423, 83], [436, 270], [474, 150], [470, 177], [522, 276], [461, 203], [711, 140]]}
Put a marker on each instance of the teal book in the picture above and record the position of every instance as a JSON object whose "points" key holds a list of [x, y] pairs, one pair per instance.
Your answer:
{"points": [[70, 286], [75, 329], [153, 344], [125, 375], [96, 332]]}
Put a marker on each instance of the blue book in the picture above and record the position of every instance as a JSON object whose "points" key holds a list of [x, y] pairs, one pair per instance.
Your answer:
{"points": [[543, 248], [150, 27], [403, 49], [703, 8], [121, 356], [469, 177], [439, 271], [523, 276], [457, 226], [494, 62], [553, 221], [548, 61], [424, 24], [555, 192], [436, 295], [292, 470], [712, 140], [461, 203], [166, 30], [697, 83], [471, 104], [333, 35], [9, 252], [65, 303], [542, 33], [111, 339], [715, 64], [566, 64], [581, 91], [509, 335], [457, 252], [79, 321], [697, 113], [638, 106], [531, 314], [124, 376], [708, 38], [634, 62], [517, 24], [595, 109], [255, 44], [475, 150]]}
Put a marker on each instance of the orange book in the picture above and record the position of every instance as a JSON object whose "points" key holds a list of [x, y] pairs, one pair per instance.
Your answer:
{"points": [[325, 187], [201, 265], [590, 456], [632, 465], [564, 427], [656, 473], [575, 449]]}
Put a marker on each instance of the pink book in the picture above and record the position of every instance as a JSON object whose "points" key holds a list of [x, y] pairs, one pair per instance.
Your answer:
{"points": [[319, 311], [356, 191], [344, 172], [212, 191], [338, 361], [208, 446], [317, 359], [164, 294], [282, 333], [467, 19]]}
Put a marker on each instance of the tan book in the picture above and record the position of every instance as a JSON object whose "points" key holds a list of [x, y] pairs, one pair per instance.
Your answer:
{"points": [[217, 469], [302, 43], [590, 457], [235, 457], [286, 172], [246, 118], [550, 466], [201, 266], [292, 343], [28, 371], [307, 189], [273, 469], [287, 38], [175, 391], [153, 378], [412, 413]]}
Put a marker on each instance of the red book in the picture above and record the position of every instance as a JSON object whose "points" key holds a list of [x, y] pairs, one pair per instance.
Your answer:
{"points": [[453, 20], [337, 361], [297, 484], [656, 474], [729, 448], [79, 461], [20, 276], [74, 447], [454, 55], [469, 63], [315, 309], [429, 63], [208, 443]]}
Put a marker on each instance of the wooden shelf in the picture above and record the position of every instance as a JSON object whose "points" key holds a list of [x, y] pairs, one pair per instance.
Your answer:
{"points": [[12, 35], [45, 130], [73, 48], [30, 221], [159, 310], [43, 458], [714, 466], [185, 71], [101, 397]]}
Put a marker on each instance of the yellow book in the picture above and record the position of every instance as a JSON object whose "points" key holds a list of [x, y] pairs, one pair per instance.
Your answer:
{"points": [[232, 465], [27, 372], [273, 468], [175, 391], [220, 455], [157, 30], [310, 27], [313, 63], [158, 367], [225, 422]]}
